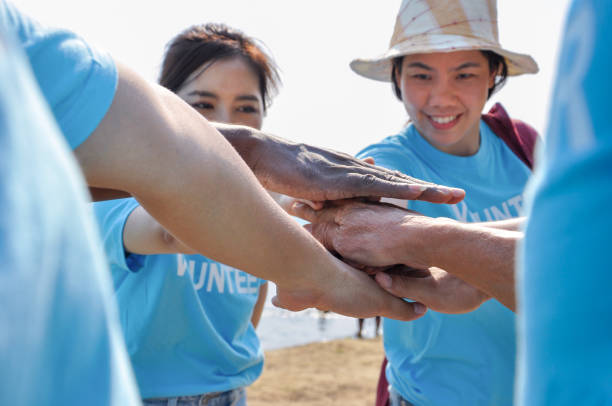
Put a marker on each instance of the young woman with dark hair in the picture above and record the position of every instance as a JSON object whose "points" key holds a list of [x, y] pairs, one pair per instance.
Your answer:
{"points": [[189, 322]]}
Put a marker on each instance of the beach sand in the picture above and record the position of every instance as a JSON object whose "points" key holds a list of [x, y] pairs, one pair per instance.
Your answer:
{"points": [[339, 372]]}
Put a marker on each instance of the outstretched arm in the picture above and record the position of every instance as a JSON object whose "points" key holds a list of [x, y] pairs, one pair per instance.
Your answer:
{"points": [[186, 175], [318, 174], [380, 235]]}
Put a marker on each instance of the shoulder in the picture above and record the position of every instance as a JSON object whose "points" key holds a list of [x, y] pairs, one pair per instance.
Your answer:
{"points": [[77, 80], [518, 136], [502, 124]]}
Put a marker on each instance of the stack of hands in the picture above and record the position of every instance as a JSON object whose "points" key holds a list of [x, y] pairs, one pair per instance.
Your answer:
{"points": [[385, 241], [340, 197]]}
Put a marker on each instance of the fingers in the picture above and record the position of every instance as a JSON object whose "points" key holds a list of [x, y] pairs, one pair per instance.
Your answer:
{"points": [[313, 204], [369, 160], [294, 301], [303, 211], [417, 189], [416, 288], [398, 309], [437, 195], [375, 182]]}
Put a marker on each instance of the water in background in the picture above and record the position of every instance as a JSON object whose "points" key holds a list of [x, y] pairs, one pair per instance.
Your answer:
{"points": [[280, 328]]}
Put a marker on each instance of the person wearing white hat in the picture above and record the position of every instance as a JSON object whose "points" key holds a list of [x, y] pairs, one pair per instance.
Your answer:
{"points": [[563, 266], [444, 62]]}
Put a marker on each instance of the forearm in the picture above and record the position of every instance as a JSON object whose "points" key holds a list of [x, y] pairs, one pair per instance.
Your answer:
{"points": [[481, 256], [192, 181], [513, 224]]}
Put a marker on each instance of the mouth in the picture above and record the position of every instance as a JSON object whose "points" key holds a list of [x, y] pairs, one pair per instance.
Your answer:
{"points": [[443, 122]]}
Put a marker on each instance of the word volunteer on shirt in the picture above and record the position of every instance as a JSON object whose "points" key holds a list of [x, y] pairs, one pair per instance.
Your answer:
{"points": [[218, 277], [512, 207]]}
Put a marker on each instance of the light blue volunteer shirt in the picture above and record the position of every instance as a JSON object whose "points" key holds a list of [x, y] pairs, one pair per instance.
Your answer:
{"points": [[60, 340], [186, 318], [77, 81], [565, 304], [465, 359]]}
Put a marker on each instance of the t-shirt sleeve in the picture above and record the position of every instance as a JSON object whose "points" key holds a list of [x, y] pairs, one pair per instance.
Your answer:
{"points": [[112, 216], [77, 80]]}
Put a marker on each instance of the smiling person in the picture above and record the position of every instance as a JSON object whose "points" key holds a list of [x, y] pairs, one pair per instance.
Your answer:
{"points": [[444, 63], [202, 319]]}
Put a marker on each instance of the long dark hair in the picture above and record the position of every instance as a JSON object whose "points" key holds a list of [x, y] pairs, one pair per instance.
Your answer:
{"points": [[497, 63], [204, 43]]}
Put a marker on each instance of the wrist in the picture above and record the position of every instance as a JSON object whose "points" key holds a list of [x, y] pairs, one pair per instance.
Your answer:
{"points": [[427, 239], [245, 140]]}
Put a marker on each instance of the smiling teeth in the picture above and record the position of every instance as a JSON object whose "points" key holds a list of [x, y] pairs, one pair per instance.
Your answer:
{"points": [[443, 120]]}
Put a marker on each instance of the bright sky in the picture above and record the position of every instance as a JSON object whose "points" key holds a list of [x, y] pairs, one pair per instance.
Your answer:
{"points": [[322, 101]]}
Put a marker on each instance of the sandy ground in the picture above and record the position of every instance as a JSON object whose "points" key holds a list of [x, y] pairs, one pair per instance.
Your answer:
{"points": [[341, 372]]}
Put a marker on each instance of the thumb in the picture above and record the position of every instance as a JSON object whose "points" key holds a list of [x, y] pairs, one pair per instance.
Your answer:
{"points": [[415, 288], [302, 210]]}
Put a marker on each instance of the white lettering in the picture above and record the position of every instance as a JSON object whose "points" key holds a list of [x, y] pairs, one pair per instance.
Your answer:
{"points": [[184, 265], [216, 275], [517, 203], [240, 280], [461, 211], [227, 271], [252, 284], [499, 215], [200, 284], [475, 217]]}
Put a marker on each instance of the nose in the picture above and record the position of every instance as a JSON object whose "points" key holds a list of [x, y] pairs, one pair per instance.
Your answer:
{"points": [[442, 93], [222, 114]]}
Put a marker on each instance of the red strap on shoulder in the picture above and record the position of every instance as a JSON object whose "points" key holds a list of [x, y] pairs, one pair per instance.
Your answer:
{"points": [[519, 136], [382, 389]]}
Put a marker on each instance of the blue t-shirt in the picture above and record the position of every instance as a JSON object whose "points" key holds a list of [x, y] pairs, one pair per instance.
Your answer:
{"points": [[465, 359], [77, 81], [565, 323], [60, 340], [186, 319]]}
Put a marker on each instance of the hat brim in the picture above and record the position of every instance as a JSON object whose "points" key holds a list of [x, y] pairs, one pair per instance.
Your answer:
{"points": [[379, 68]]}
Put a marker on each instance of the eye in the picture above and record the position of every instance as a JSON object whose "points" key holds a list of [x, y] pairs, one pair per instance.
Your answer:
{"points": [[421, 76], [203, 106], [247, 109], [463, 76]]}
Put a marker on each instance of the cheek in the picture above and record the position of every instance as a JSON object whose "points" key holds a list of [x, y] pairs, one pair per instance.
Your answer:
{"points": [[477, 98], [208, 115], [412, 103], [413, 98]]}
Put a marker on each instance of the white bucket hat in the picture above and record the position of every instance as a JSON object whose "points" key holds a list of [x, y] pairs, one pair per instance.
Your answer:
{"points": [[427, 26]]}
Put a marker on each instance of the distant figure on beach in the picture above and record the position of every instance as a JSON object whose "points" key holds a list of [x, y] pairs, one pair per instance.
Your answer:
{"points": [[444, 67], [203, 318], [360, 323]]}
